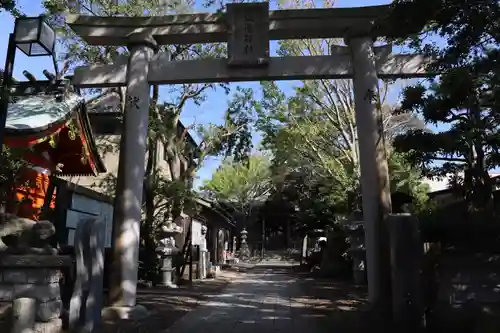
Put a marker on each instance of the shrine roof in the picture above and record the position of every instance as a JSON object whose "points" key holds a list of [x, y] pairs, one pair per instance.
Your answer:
{"points": [[32, 121], [38, 113]]}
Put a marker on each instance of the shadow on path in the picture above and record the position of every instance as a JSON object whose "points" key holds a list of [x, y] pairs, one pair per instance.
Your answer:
{"points": [[275, 299], [166, 306]]}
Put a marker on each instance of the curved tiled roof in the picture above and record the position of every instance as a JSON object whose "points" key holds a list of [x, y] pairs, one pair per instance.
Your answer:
{"points": [[34, 118], [37, 113]]}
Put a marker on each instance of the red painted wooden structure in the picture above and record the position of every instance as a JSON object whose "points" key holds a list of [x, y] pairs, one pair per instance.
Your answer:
{"points": [[55, 137]]}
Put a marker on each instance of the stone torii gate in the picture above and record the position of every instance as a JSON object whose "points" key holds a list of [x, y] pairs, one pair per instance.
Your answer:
{"points": [[247, 28]]}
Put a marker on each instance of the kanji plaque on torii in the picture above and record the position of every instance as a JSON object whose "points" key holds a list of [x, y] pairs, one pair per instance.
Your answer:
{"points": [[248, 30]]}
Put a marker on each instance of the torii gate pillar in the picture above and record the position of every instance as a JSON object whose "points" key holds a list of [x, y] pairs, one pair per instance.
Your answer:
{"points": [[129, 187], [375, 188]]}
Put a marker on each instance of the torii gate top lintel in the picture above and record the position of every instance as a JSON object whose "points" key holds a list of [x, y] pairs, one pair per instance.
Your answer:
{"points": [[247, 28], [212, 27]]}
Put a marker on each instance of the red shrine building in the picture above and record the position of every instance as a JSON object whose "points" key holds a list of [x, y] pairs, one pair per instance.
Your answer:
{"points": [[53, 135]]}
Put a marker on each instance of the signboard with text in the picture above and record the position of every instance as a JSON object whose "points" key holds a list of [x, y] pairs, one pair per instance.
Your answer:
{"points": [[248, 40]]}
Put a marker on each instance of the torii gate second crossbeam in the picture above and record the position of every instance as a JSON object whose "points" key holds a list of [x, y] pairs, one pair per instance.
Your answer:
{"points": [[247, 28]]}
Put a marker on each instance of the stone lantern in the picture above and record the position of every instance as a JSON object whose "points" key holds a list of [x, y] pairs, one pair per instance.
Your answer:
{"points": [[244, 250], [356, 234], [167, 250]]}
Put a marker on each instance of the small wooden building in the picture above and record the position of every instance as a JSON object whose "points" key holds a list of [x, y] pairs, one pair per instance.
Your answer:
{"points": [[218, 237], [220, 229]]}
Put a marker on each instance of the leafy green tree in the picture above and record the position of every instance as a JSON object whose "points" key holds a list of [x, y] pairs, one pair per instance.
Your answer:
{"points": [[304, 139], [313, 131], [10, 6], [407, 179], [241, 185], [463, 99], [11, 165], [471, 32], [468, 146]]}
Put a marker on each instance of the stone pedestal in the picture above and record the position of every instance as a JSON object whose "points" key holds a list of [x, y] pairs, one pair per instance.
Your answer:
{"points": [[34, 277], [167, 250], [24, 311], [167, 269], [203, 264]]}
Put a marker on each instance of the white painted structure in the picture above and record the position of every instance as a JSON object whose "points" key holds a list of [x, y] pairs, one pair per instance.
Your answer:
{"points": [[248, 60]]}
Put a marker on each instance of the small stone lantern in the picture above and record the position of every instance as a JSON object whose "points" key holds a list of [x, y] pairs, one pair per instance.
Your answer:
{"points": [[356, 234], [167, 250], [244, 250]]}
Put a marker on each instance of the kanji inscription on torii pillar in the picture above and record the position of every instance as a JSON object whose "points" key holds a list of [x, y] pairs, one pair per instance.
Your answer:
{"points": [[248, 40]]}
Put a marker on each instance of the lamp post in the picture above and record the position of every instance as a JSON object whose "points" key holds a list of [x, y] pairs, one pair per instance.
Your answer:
{"points": [[34, 37]]}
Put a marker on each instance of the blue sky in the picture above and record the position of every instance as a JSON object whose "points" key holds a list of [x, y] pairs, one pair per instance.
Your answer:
{"points": [[211, 111]]}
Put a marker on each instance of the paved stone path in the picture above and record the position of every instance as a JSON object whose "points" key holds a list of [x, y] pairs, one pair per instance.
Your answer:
{"points": [[263, 300]]}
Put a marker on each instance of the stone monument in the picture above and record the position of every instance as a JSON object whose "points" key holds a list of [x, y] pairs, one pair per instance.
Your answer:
{"points": [[167, 250], [406, 265], [87, 298]]}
